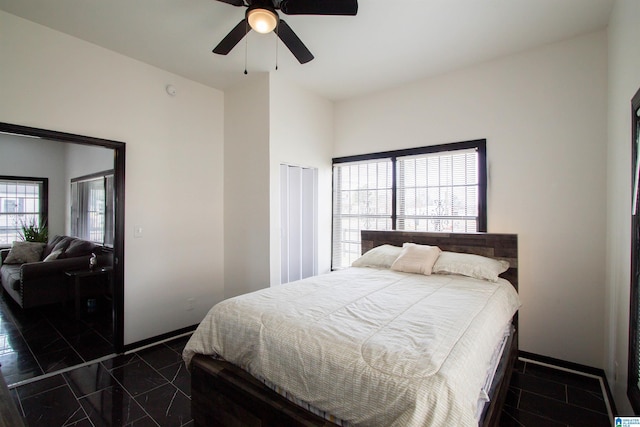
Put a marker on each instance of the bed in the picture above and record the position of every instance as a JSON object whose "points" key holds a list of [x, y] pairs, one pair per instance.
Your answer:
{"points": [[252, 368]]}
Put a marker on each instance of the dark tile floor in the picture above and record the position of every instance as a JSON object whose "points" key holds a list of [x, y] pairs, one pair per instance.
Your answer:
{"points": [[541, 396], [150, 387], [38, 341]]}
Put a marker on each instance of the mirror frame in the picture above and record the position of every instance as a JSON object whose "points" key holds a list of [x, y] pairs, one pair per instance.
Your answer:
{"points": [[118, 243]]}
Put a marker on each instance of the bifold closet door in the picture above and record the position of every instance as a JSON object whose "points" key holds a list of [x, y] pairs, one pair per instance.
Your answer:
{"points": [[298, 196]]}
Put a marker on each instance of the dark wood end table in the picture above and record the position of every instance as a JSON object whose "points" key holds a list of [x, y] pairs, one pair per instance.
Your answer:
{"points": [[80, 276]]}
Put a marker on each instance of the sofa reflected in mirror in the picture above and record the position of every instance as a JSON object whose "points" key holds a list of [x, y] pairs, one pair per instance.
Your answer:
{"points": [[36, 274]]}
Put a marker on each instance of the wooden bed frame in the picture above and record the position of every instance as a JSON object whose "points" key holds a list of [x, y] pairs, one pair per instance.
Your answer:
{"points": [[224, 395]]}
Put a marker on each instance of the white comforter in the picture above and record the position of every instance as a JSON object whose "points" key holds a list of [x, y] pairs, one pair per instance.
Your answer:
{"points": [[372, 347]]}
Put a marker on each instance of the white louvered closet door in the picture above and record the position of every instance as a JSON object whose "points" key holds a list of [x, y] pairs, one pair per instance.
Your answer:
{"points": [[298, 222]]}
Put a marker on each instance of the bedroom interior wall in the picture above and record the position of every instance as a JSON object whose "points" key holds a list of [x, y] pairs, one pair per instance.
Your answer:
{"points": [[246, 186], [174, 161], [624, 81], [22, 156], [543, 113], [301, 134]]}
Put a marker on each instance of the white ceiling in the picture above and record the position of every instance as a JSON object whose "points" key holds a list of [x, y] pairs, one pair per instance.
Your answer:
{"points": [[387, 44]]}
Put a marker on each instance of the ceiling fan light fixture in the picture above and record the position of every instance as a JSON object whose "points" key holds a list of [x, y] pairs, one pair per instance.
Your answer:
{"points": [[262, 19]]}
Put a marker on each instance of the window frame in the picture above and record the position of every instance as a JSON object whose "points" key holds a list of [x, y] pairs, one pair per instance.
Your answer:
{"points": [[107, 235], [480, 145], [633, 367], [43, 213]]}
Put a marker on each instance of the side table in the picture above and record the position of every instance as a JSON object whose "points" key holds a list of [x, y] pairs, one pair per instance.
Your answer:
{"points": [[80, 278]]}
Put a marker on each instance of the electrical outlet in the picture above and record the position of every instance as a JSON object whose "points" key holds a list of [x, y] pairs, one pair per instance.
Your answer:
{"points": [[191, 302]]}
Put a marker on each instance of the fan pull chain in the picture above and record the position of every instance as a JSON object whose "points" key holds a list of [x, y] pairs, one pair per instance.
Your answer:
{"points": [[277, 48], [246, 46]]}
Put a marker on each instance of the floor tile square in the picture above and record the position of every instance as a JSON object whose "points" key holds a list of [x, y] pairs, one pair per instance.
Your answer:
{"points": [[48, 343], [89, 379], [167, 405], [539, 385], [517, 418], [57, 360], [55, 407], [111, 406], [179, 376], [561, 412], [119, 360], [160, 356], [40, 386], [591, 400], [138, 377], [19, 366], [90, 345]]}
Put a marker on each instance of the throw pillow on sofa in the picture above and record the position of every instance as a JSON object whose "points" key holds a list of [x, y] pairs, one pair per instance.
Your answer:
{"points": [[23, 252], [53, 255], [57, 243], [78, 248]]}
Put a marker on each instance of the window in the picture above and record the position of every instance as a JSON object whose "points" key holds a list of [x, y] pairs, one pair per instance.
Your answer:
{"points": [[633, 377], [22, 201], [437, 188], [92, 208]]}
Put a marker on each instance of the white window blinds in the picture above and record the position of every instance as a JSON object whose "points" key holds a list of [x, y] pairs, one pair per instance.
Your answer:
{"points": [[438, 192], [362, 199]]}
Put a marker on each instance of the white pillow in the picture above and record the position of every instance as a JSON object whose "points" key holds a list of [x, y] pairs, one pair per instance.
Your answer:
{"points": [[416, 259], [53, 255], [378, 257], [23, 252], [470, 265]]}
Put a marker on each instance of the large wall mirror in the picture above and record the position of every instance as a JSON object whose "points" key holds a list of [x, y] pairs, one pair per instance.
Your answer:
{"points": [[76, 179]]}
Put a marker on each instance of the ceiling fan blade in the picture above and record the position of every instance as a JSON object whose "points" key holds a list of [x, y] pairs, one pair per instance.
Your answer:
{"points": [[293, 42], [232, 39], [319, 7], [233, 2]]}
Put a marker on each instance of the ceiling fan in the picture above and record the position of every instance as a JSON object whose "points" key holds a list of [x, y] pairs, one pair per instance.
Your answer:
{"points": [[262, 16]]}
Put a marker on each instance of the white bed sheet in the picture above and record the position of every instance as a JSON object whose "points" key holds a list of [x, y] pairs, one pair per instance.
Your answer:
{"points": [[372, 347]]}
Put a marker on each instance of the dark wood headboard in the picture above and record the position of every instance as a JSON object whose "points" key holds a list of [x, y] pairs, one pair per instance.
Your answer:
{"points": [[499, 246]]}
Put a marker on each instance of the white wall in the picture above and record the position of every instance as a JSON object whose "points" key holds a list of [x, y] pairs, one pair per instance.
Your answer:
{"points": [[301, 134], [84, 160], [246, 186], [268, 121], [624, 81], [174, 161], [543, 113], [22, 156]]}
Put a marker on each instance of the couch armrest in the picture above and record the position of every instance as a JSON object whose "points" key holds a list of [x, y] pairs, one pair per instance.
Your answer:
{"points": [[34, 270], [3, 255]]}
